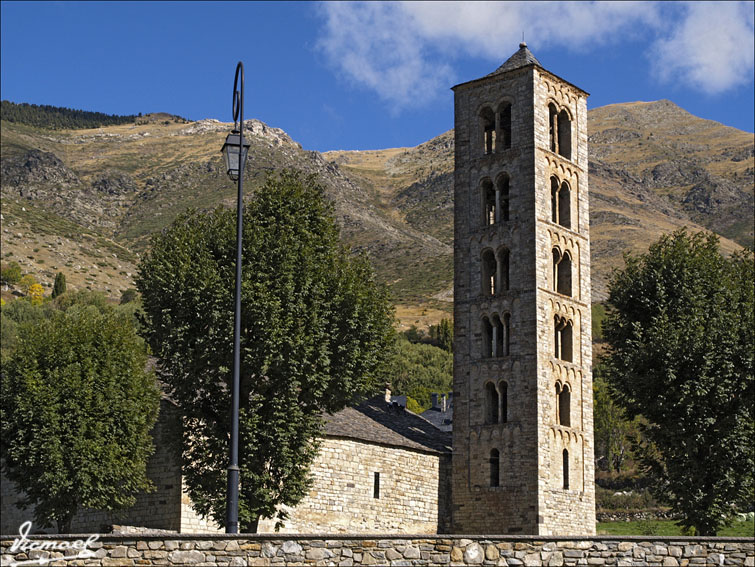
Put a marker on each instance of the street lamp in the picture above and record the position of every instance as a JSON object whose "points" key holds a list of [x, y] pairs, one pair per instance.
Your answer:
{"points": [[234, 151]]}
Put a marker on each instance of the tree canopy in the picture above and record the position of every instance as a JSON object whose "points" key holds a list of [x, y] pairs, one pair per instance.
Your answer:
{"points": [[680, 329], [77, 408], [316, 330]]}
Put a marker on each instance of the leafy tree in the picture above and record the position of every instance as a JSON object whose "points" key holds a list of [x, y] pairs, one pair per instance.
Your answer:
{"points": [[442, 334], [418, 370], [10, 273], [36, 293], [129, 295], [680, 329], [77, 408], [26, 282], [316, 329], [59, 287]]}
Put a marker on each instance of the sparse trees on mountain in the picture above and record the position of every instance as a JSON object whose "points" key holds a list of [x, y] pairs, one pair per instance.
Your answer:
{"points": [[10, 273], [316, 329], [59, 287], [77, 408], [680, 329]]}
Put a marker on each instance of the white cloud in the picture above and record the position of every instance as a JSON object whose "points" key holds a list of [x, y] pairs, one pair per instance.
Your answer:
{"points": [[713, 48], [404, 51]]}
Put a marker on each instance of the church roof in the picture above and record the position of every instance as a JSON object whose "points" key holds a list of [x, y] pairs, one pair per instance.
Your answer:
{"points": [[521, 58], [377, 421]]}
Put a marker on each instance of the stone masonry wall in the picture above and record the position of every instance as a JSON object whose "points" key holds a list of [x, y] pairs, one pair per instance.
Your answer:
{"points": [[398, 551], [342, 498]]}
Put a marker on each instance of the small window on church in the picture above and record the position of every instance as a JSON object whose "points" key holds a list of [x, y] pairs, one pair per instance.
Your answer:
{"points": [[562, 338], [504, 388], [564, 134], [502, 195], [487, 338], [489, 212], [563, 399], [503, 269], [565, 457], [376, 485], [564, 205], [553, 127], [561, 272], [491, 404], [495, 468], [489, 273]]}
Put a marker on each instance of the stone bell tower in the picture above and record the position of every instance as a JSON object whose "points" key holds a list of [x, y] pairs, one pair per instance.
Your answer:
{"points": [[523, 429]]}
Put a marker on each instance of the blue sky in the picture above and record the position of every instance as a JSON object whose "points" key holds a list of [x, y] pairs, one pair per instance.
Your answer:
{"points": [[339, 75]]}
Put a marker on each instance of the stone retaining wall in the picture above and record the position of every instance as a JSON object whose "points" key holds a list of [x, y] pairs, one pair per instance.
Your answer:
{"points": [[216, 550]]}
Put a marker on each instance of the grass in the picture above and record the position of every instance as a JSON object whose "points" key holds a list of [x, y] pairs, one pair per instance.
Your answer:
{"points": [[668, 528]]}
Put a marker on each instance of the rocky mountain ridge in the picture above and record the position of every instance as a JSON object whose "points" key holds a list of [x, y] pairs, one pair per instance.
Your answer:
{"points": [[653, 168]]}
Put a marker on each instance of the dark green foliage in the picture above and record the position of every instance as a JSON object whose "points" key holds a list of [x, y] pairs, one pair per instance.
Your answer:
{"points": [[316, 330], [77, 408], [418, 370], [10, 273], [58, 118], [680, 329], [598, 314], [59, 287], [442, 334], [129, 295]]}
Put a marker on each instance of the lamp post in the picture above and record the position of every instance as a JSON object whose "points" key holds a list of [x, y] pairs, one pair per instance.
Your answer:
{"points": [[234, 151]]}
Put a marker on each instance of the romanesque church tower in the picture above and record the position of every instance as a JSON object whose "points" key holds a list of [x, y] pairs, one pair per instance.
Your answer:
{"points": [[523, 429]]}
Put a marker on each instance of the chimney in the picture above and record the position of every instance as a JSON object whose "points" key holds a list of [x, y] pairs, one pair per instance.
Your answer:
{"points": [[443, 403], [387, 393], [434, 400]]}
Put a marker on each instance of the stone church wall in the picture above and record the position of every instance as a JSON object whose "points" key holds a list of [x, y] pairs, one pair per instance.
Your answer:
{"points": [[412, 496]]}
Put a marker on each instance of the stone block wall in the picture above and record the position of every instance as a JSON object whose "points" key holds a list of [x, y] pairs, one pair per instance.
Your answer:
{"points": [[412, 491], [350, 550]]}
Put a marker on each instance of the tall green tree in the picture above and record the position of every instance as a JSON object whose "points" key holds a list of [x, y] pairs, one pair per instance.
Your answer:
{"points": [[59, 287], [77, 408], [316, 329], [680, 329]]}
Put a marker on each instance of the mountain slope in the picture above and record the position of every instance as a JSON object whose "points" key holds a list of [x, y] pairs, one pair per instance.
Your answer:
{"points": [[86, 201]]}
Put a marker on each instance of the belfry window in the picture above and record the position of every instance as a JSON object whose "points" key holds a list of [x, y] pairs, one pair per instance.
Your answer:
{"points": [[487, 338], [562, 338], [559, 127], [563, 405], [503, 269], [502, 197], [491, 403], [503, 388], [560, 202], [489, 208], [565, 466], [487, 121], [489, 273], [495, 468], [561, 272], [553, 127], [504, 121]]}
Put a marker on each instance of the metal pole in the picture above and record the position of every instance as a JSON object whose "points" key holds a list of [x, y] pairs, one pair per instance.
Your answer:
{"points": [[232, 502]]}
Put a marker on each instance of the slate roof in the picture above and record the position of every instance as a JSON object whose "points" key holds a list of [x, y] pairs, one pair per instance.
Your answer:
{"points": [[521, 58], [376, 421], [443, 420]]}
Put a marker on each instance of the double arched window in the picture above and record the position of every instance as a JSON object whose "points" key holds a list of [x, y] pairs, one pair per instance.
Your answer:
{"points": [[562, 339], [560, 202], [496, 403], [559, 123], [562, 272], [495, 200], [495, 272], [495, 336], [496, 128]]}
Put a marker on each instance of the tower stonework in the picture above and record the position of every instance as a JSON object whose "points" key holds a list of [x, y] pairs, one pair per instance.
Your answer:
{"points": [[523, 427]]}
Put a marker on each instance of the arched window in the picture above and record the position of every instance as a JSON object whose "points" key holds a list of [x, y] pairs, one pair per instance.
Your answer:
{"points": [[495, 467], [562, 338], [561, 272], [560, 202], [553, 126], [503, 269], [563, 405], [503, 388], [564, 205], [487, 338], [488, 203], [506, 331], [502, 198], [504, 121], [491, 403], [489, 273], [499, 337], [565, 458], [487, 121], [564, 134]]}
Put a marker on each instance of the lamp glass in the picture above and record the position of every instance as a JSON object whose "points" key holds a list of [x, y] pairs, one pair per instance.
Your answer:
{"points": [[231, 154]]}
